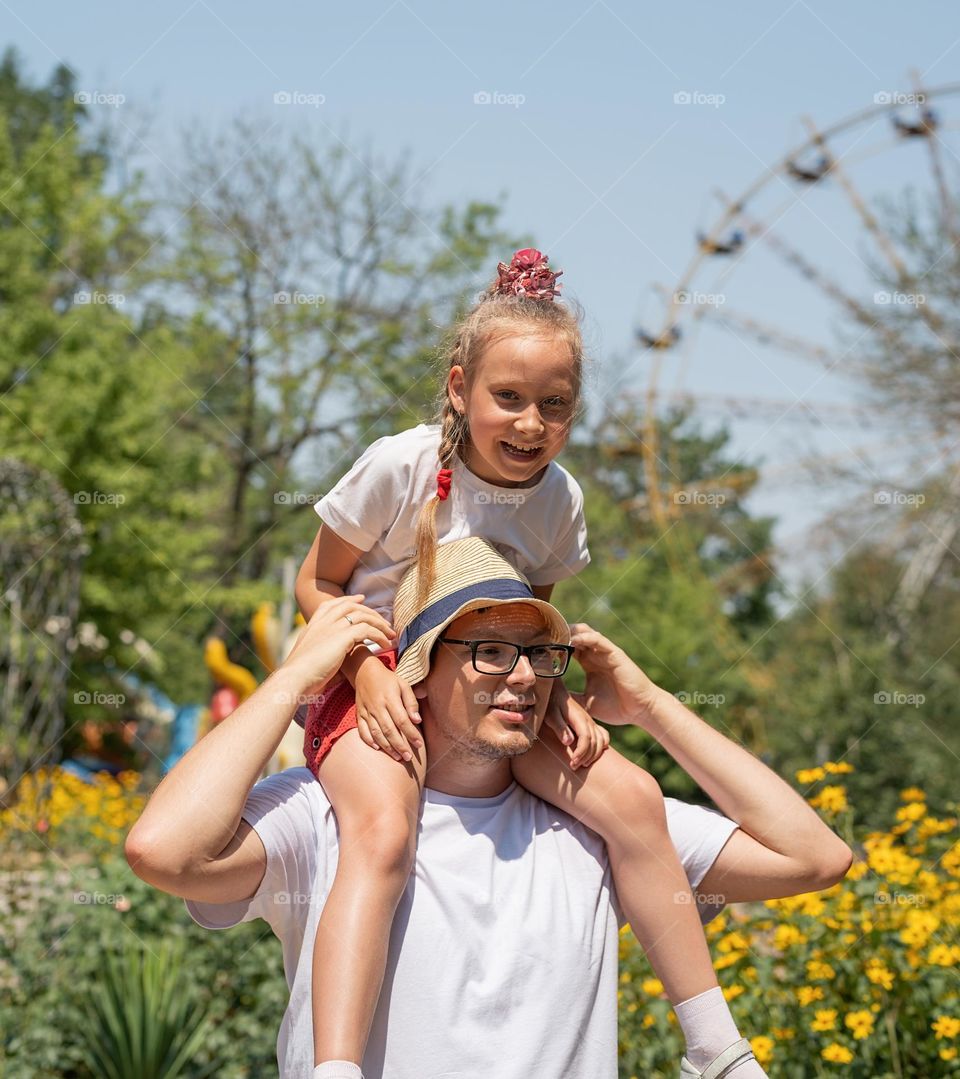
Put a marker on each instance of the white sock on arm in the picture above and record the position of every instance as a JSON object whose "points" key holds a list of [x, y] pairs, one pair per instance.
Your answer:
{"points": [[337, 1069], [708, 1028]]}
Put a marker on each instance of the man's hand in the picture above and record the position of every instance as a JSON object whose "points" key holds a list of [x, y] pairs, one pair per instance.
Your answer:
{"points": [[583, 738], [617, 691], [334, 630]]}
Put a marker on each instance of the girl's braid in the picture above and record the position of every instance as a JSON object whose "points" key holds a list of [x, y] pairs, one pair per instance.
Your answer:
{"points": [[454, 435]]}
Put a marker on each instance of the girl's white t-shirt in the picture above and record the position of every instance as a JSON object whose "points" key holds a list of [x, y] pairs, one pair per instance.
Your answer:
{"points": [[540, 530]]}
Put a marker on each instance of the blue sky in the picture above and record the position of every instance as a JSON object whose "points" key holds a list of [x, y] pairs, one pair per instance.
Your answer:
{"points": [[590, 148]]}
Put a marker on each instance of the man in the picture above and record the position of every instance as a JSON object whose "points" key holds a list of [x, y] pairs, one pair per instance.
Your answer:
{"points": [[503, 955]]}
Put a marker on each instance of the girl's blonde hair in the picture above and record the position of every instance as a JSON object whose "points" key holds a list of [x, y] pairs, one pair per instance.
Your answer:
{"points": [[495, 317]]}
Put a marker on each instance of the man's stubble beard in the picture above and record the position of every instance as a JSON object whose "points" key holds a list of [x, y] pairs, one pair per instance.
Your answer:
{"points": [[468, 747]]}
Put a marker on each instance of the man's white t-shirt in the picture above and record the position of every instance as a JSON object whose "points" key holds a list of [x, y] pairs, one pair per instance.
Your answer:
{"points": [[504, 949], [540, 530]]}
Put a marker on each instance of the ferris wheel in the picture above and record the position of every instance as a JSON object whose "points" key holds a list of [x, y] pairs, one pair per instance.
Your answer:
{"points": [[833, 173]]}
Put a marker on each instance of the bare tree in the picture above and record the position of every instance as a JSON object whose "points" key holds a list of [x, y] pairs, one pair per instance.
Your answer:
{"points": [[313, 281], [909, 363]]}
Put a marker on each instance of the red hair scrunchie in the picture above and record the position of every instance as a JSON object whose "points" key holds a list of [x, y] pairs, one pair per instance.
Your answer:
{"points": [[444, 476], [528, 275]]}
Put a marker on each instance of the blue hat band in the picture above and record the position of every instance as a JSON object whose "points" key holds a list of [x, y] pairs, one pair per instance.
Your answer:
{"points": [[440, 612]]}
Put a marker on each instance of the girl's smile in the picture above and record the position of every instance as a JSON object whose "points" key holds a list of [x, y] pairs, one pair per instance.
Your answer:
{"points": [[519, 404]]}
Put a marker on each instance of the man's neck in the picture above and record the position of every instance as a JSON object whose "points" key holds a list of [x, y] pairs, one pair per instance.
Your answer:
{"points": [[469, 778]]}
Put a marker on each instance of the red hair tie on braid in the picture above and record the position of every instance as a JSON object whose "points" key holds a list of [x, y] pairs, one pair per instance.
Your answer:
{"points": [[528, 275], [444, 476]]}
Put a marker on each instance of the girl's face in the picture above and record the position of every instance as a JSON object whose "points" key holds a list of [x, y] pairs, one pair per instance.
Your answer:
{"points": [[519, 403]]}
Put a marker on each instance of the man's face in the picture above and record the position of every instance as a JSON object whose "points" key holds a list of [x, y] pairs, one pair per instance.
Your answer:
{"points": [[486, 716]]}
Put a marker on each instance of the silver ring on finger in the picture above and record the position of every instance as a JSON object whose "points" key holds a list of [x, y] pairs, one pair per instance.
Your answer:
{"points": [[349, 619]]}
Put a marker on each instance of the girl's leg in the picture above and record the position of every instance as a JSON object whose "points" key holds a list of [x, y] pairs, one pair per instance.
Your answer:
{"points": [[623, 803], [377, 803]]}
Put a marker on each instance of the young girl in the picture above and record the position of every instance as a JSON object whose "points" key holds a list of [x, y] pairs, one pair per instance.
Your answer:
{"points": [[488, 469]]}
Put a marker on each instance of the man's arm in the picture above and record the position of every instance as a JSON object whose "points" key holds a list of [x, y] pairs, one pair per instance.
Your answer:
{"points": [[782, 847], [190, 840]]}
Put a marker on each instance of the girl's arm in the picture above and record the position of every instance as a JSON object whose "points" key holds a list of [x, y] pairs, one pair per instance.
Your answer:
{"points": [[380, 695]]}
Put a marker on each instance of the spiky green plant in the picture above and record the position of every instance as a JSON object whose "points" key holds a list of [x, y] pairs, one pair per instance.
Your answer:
{"points": [[143, 1020]]}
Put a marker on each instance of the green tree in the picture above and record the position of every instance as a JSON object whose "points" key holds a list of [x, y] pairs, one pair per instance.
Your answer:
{"points": [[684, 602], [842, 689], [29, 109], [703, 491], [149, 364], [89, 387]]}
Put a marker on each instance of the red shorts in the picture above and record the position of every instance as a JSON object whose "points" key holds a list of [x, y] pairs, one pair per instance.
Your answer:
{"points": [[334, 715]]}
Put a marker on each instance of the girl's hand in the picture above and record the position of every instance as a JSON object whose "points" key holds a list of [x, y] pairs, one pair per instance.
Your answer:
{"points": [[335, 629], [387, 711], [575, 725]]}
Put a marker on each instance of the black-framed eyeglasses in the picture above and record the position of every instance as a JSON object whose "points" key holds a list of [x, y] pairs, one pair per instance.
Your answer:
{"points": [[500, 657]]}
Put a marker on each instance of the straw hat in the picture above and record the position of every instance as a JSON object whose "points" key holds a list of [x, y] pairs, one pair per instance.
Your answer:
{"points": [[470, 574]]}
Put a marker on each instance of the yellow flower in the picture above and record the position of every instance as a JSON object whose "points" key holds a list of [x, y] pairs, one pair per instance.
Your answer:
{"points": [[913, 794], [945, 1026], [878, 974], [893, 863], [810, 775], [944, 955], [626, 943], [807, 994], [860, 1022], [920, 925], [837, 767], [648, 1020], [831, 799], [787, 935], [762, 1048], [824, 1019], [728, 960], [857, 871], [816, 970], [719, 924], [948, 1052], [932, 826], [929, 883], [913, 811], [813, 905], [951, 860], [652, 986], [839, 1054], [734, 941], [731, 992]]}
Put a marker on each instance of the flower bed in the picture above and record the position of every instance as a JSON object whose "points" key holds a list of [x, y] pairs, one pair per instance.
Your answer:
{"points": [[859, 980]]}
